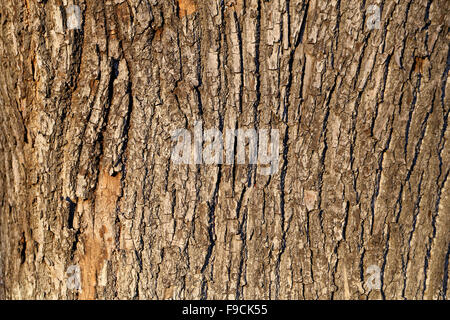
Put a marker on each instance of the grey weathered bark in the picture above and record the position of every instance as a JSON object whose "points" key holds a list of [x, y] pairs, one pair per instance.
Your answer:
{"points": [[86, 177]]}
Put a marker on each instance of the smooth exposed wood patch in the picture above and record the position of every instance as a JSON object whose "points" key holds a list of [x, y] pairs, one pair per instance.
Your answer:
{"points": [[236, 5], [99, 236], [187, 7]]}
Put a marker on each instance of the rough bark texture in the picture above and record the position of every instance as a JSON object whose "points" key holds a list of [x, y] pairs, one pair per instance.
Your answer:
{"points": [[86, 177]]}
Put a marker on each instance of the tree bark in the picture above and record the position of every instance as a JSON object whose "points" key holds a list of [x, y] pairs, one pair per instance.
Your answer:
{"points": [[86, 176]]}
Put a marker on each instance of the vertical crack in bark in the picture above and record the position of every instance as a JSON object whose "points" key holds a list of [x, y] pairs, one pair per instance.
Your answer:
{"points": [[211, 231], [242, 231], [379, 172], [323, 135], [411, 233], [445, 282], [282, 208], [411, 110]]}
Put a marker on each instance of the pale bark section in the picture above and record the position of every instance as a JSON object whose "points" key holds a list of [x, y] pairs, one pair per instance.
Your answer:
{"points": [[85, 170]]}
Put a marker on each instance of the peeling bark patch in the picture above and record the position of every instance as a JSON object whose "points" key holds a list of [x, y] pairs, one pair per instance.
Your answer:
{"points": [[421, 64], [187, 7], [158, 34], [310, 199], [107, 192], [99, 237], [236, 5]]}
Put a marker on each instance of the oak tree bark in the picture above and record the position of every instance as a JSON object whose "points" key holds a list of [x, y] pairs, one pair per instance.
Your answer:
{"points": [[86, 179]]}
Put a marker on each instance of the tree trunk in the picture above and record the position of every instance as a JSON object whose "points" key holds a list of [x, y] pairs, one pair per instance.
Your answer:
{"points": [[358, 208]]}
